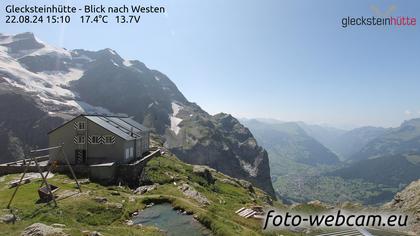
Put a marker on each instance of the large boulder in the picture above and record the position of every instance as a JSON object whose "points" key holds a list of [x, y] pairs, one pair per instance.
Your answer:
{"points": [[8, 218], [39, 229], [204, 172], [190, 192], [144, 189]]}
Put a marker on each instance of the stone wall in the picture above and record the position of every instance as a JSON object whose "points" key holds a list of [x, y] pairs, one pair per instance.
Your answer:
{"points": [[7, 170], [128, 174]]}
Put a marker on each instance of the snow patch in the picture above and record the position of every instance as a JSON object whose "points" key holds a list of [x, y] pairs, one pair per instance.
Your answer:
{"points": [[157, 78], [93, 109], [176, 108], [83, 57], [60, 78], [175, 120], [115, 64], [51, 87], [45, 50], [50, 50], [112, 51], [127, 63], [251, 170], [5, 39]]}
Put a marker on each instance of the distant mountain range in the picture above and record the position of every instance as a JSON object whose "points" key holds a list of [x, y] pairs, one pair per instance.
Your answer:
{"points": [[392, 158], [41, 86], [388, 170], [306, 157], [344, 143], [289, 141], [402, 140]]}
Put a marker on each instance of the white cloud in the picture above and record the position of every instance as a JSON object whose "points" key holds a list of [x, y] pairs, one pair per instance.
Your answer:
{"points": [[408, 112]]}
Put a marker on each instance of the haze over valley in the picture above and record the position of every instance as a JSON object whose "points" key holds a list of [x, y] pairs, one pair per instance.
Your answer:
{"points": [[312, 162]]}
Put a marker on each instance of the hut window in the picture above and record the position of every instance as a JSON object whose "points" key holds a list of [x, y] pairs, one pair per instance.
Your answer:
{"points": [[81, 125], [94, 139], [109, 139], [79, 139]]}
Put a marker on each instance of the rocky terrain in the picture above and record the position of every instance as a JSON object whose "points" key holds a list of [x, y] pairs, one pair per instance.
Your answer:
{"points": [[18, 114], [408, 201], [43, 85], [209, 196]]}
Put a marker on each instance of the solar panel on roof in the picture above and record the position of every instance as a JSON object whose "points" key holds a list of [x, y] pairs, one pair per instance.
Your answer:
{"points": [[101, 121], [134, 123]]}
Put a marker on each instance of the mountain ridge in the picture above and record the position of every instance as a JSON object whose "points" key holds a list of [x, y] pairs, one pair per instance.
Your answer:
{"points": [[63, 83], [290, 133], [404, 139]]}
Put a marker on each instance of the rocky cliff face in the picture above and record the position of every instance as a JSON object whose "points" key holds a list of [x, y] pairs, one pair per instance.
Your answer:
{"points": [[220, 142], [60, 83], [408, 201], [22, 124]]}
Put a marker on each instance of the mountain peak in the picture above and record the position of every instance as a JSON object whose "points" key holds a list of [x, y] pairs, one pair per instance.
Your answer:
{"points": [[400, 140], [412, 122], [21, 42], [111, 51], [25, 35], [63, 82], [223, 115]]}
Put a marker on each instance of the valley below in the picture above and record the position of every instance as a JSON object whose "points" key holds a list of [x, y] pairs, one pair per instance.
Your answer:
{"points": [[303, 167], [213, 164]]}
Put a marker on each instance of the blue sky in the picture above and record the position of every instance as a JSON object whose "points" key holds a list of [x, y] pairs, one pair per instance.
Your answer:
{"points": [[288, 60]]}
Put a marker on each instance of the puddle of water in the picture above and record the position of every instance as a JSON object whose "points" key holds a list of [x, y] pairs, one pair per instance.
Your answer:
{"points": [[169, 220]]}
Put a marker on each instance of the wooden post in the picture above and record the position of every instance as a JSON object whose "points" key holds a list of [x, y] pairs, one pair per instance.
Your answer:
{"points": [[49, 158], [45, 149], [45, 181], [71, 169], [46, 176], [17, 187]]}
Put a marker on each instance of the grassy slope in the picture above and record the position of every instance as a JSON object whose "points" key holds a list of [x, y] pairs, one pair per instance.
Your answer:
{"points": [[82, 212], [219, 216], [78, 213]]}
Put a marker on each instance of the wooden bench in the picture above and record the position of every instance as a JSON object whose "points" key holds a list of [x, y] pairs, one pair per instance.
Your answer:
{"points": [[15, 183]]}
